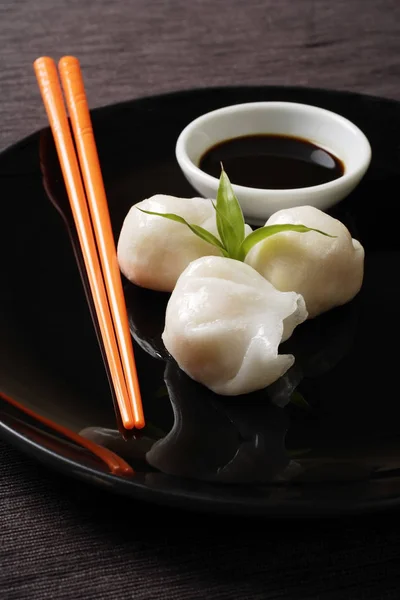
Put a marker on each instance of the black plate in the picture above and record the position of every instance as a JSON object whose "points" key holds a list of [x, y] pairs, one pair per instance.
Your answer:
{"points": [[264, 454]]}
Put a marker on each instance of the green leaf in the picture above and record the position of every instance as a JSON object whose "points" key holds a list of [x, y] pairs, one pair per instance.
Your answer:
{"points": [[228, 231], [196, 229], [298, 400], [230, 220], [264, 232]]}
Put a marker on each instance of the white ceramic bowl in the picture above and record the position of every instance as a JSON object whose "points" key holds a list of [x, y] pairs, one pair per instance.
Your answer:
{"points": [[324, 128]]}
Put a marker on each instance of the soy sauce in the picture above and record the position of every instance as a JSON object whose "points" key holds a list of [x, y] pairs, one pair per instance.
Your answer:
{"points": [[272, 162]]}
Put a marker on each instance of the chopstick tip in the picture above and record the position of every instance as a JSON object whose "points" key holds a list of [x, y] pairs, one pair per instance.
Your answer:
{"points": [[140, 423], [41, 59], [67, 61], [127, 422], [42, 62]]}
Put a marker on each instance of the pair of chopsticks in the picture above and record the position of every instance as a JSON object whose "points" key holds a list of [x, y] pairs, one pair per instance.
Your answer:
{"points": [[92, 221]]}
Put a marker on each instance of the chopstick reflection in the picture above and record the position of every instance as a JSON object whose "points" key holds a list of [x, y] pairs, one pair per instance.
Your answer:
{"points": [[114, 463]]}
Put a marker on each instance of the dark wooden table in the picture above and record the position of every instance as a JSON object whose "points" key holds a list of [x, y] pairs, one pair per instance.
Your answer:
{"points": [[61, 540]]}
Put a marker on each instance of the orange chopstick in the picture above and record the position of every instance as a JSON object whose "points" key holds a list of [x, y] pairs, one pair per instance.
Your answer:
{"points": [[50, 88], [75, 96]]}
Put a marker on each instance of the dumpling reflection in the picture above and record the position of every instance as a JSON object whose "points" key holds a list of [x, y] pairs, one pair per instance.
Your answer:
{"points": [[227, 442]]}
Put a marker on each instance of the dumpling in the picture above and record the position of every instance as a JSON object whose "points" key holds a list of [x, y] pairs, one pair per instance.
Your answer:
{"points": [[326, 271], [153, 251], [224, 323]]}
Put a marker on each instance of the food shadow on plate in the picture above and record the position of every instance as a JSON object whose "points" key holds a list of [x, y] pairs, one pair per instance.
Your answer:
{"points": [[237, 439]]}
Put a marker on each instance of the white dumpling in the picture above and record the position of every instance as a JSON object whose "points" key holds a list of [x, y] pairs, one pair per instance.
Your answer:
{"points": [[224, 323], [326, 271], [153, 251]]}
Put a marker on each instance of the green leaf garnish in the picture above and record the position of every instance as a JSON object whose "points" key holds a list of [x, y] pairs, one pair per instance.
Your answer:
{"points": [[264, 232], [230, 220], [298, 400], [231, 225], [196, 229]]}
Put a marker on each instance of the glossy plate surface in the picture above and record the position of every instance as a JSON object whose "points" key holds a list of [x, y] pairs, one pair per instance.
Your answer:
{"points": [[325, 439]]}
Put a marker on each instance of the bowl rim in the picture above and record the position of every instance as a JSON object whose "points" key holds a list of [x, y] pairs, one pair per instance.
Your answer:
{"points": [[188, 166]]}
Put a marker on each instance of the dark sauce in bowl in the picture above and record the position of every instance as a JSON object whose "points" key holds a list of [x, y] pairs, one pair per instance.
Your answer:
{"points": [[272, 162]]}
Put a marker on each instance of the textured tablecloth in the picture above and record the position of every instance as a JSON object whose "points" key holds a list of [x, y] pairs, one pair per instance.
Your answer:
{"points": [[56, 541]]}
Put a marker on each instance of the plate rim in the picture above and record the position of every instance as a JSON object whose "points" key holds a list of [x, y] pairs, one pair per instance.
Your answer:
{"points": [[204, 89], [176, 498]]}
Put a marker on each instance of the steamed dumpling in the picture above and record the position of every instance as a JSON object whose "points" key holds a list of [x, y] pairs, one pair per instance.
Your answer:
{"points": [[326, 271], [153, 251], [224, 323]]}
